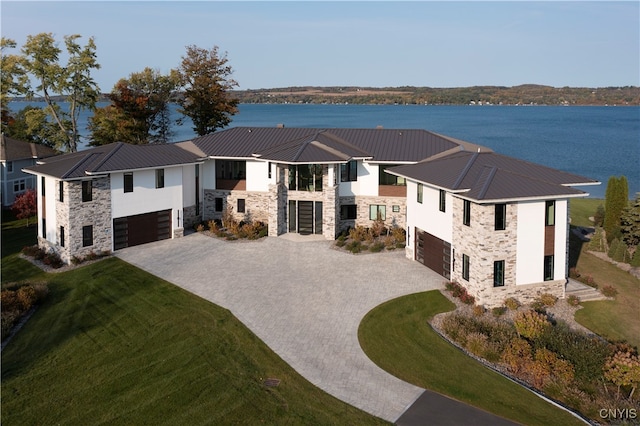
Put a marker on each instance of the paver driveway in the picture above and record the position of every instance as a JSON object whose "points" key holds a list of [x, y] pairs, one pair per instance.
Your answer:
{"points": [[305, 300]]}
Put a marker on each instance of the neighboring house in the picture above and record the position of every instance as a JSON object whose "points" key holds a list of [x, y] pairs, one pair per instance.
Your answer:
{"points": [[452, 197], [14, 156]]}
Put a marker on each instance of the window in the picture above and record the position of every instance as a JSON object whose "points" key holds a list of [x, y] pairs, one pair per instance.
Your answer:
{"points": [[550, 213], [443, 201], [10, 166], [19, 185], [498, 273], [385, 178], [87, 236], [197, 189], [348, 211], [465, 267], [377, 212], [61, 191], [269, 170], [395, 209], [548, 268], [44, 228], [231, 169], [420, 193], [218, 204], [43, 187], [159, 178], [62, 236], [305, 177], [349, 171], [240, 205], [128, 182], [466, 212], [87, 190], [501, 217]]}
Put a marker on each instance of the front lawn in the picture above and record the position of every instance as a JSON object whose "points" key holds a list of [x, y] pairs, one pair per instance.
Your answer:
{"points": [[397, 337]]}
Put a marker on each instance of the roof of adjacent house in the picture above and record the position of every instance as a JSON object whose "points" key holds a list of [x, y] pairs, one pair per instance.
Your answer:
{"points": [[13, 150], [488, 176], [114, 157], [305, 145]]}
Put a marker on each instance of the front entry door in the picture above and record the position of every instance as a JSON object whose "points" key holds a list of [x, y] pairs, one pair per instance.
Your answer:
{"points": [[305, 217]]}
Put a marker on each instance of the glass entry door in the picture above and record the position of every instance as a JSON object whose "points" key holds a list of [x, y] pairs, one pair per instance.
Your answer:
{"points": [[305, 217]]}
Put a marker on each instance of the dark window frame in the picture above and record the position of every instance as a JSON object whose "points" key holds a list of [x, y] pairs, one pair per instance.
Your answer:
{"points": [[466, 212], [349, 171], [218, 204], [550, 213], [61, 191], [380, 211], [348, 212], [159, 178], [87, 236], [465, 267], [442, 201], [498, 273], [241, 205], [43, 187], [548, 268], [62, 236], [420, 190], [87, 191], [500, 218], [127, 182]]}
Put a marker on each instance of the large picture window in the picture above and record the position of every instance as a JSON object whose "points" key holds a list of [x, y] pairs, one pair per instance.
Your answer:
{"points": [[231, 169], [385, 178], [349, 171], [305, 177]]}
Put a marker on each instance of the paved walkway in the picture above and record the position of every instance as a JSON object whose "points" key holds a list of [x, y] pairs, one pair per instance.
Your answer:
{"points": [[305, 300]]}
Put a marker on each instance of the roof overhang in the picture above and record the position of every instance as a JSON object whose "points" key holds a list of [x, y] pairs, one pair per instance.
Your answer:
{"points": [[521, 199]]}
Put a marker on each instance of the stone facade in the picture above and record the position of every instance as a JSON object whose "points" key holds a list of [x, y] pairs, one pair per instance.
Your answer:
{"points": [[393, 219], [189, 216], [73, 214], [256, 204], [484, 245]]}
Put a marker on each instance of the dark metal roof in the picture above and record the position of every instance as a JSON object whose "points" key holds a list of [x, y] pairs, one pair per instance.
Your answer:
{"points": [[380, 145], [111, 158], [486, 176], [13, 150]]}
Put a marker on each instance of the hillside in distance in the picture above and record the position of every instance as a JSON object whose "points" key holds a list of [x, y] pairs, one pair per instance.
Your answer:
{"points": [[528, 94]]}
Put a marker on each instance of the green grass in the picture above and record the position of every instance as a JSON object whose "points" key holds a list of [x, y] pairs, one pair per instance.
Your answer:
{"points": [[113, 344], [581, 209], [15, 236], [396, 336]]}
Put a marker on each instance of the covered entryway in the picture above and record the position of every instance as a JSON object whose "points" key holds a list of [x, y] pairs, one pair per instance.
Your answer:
{"points": [[305, 217], [141, 229], [433, 252]]}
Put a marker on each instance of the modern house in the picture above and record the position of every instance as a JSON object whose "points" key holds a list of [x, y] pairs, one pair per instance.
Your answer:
{"points": [[14, 156], [496, 224]]}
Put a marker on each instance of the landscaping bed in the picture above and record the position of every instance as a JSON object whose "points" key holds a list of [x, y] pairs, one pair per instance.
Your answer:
{"points": [[374, 239]]}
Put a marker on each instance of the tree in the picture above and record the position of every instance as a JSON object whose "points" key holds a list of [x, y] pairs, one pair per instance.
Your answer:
{"points": [[630, 223], [206, 80], [139, 110], [25, 205], [616, 200], [13, 80], [41, 61]]}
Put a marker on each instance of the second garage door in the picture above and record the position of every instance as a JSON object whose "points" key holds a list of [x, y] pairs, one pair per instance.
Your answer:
{"points": [[141, 229], [433, 252]]}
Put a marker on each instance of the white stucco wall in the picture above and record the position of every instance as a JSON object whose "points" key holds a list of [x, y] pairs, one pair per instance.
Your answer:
{"points": [[208, 174], [560, 241], [530, 243], [258, 176], [427, 215], [50, 196], [146, 197], [367, 183], [189, 184]]}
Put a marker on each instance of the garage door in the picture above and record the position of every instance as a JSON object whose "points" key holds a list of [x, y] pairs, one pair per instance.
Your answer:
{"points": [[141, 229], [433, 252]]}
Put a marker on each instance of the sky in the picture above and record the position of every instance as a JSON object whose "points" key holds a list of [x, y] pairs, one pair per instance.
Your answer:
{"points": [[367, 44]]}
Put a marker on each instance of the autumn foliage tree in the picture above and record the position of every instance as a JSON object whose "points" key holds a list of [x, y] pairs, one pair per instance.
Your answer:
{"points": [[206, 82], [24, 206]]}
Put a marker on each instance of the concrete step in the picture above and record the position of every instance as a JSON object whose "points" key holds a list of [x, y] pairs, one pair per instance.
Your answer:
{"points": [[583, 291]]}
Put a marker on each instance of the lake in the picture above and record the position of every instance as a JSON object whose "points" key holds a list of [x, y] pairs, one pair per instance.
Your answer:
{"points": [[592, 141]]}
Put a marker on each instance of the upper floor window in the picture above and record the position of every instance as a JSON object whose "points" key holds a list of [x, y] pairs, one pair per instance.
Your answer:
{"points": [[159, 178], [305, 177], [550, 213], [10, 166], [128, 182], [87, 191], [466, 212], [61, 191], [443, 201], [231, 169], [501, 217], [349, 171], [43, 186], [420, 193], [385, 178]]}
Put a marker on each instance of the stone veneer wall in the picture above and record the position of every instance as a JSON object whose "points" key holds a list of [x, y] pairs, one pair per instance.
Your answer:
{"points": [[397, 219], [189, 217], [484, 245], [256, 204], [73, 214]]}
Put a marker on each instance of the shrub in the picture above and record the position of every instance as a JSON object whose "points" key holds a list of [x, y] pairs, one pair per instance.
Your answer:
{"points": [[354, 246], [517, 355], [376, 247], [359, 233], [635, 260], [30, 251], [548, 299], [8, 318], [477, 344], [26, 296], [390, 242], [340, 243], [573, 300], [9, 301], [531, 324], [512, 303], [377, 228], [250, 231], [467, 299], [478, 310], [399, 235], [499, 311], [598, 241], [588, 280], [199, 227], [623, 369], [213, 226], [609, 291]]}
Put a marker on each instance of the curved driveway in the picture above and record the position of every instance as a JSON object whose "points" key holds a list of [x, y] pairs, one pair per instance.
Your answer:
{"points": [[304, 299]]}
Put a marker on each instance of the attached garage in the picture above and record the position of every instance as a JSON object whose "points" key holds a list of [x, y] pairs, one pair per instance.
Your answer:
{"points": [[141, 229], [433, 252]]}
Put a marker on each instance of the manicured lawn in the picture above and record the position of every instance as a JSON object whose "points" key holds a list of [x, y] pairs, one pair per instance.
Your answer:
{"points": [[113, 344], [581, 209], [15, 236], [396, 336]]}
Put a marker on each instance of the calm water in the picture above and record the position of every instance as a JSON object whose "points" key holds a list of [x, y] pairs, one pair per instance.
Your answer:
{"points": [[596, 142]]}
